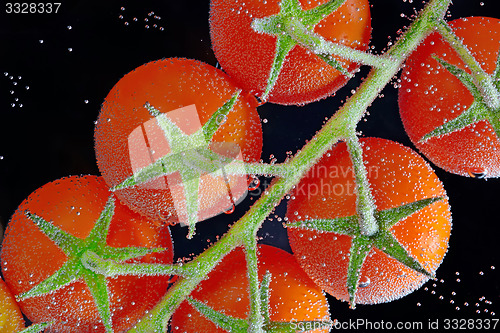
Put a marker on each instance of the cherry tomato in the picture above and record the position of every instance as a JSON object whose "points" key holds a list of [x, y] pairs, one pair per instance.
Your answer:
{"points": [[431, 96], [11, 319], [293, 296], [247, 56], [29, 257], [397, 176], [128, 137]]}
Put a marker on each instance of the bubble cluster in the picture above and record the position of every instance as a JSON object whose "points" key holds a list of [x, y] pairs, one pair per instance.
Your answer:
{"points": [[149, 21], [463, 294], [16, 89]]}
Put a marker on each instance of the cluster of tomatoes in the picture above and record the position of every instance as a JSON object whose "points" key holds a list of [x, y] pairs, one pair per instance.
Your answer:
{"points": [[162, 126]]}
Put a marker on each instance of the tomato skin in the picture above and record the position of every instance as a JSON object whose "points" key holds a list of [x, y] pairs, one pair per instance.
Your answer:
{"points": [[429, 95], [397, 176], [247, 56], [29, 257], [11, 319], [293, 296], [167, 85]]}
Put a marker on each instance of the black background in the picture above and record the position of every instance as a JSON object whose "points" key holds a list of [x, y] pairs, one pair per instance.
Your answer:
{"points": [[46, 130]]}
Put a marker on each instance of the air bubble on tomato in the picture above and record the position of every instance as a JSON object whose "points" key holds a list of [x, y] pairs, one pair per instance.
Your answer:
{"points": [[456, 130], [247, 56], [47, 275], [412, 213], [150, 134], [293, 297]]}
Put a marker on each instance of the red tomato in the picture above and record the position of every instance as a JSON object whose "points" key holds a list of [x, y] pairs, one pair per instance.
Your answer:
{"points": [[430, 96], [397, 176], [11, 319], [128, 137], [29, 257], [247, 56], [293, 296]]}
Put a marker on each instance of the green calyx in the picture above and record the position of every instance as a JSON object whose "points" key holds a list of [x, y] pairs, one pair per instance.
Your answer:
{"points": [[295, 26], [36, 328], [192, 156], [75, 268], [362, 244], [486, 93], [237, 325]]}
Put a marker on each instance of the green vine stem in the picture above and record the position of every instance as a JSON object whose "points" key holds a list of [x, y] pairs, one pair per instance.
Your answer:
{"points": [[271, 170], [256, 320], [482, 80], [337, 128], [109, 267], [323, 47], [364, 200]]}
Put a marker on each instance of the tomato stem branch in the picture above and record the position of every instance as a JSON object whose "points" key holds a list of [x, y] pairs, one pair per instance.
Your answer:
{"points": [[337, 128], [255, 320], [109, 267], [365, 204], [324, 48], [278, 170]]}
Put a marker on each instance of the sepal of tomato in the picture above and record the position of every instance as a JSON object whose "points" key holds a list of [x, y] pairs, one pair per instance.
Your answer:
{"points": [[479, 110], [276, 49], [450, 110], [47, 222], [326, 237], [361, 244], [293, 18], [192, 155], [165, 134], [36, 328]]}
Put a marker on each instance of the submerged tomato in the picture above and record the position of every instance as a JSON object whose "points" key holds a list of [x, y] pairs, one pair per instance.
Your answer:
{"points": [[129, 138], [247, 56], [29, 257], [293, 296], [430, 96], [397, 176], [11, 319]]}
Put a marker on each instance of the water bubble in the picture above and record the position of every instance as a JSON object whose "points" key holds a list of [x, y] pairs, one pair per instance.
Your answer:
{"points": [[364, 282], [230, 210], [254, 184], [477, 172]]}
